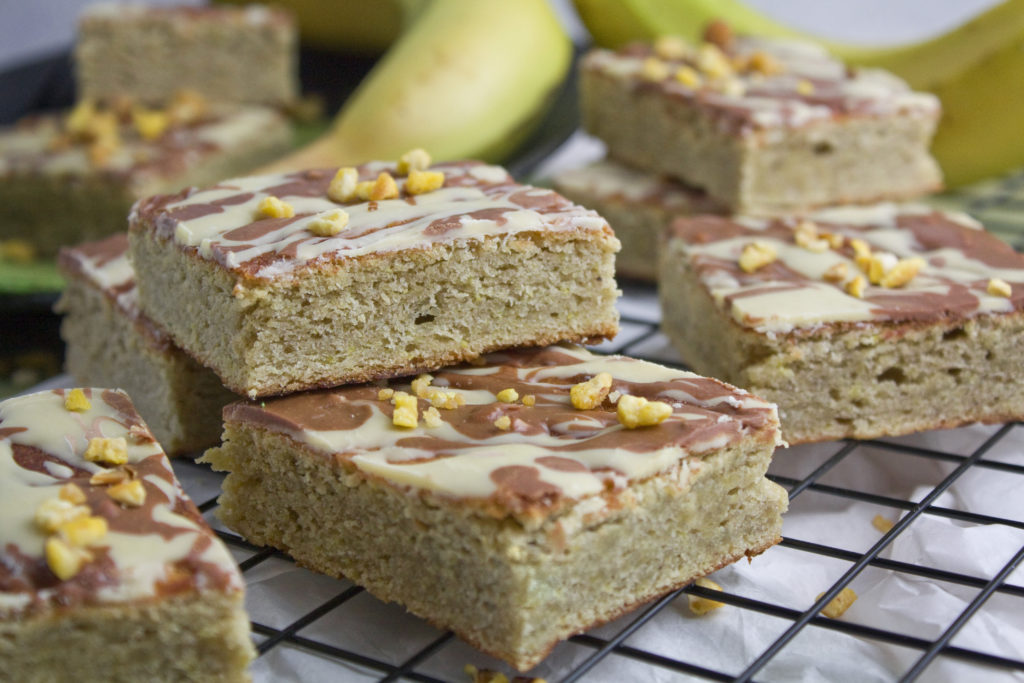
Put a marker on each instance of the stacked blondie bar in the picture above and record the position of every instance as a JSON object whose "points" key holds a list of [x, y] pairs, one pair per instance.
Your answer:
{"points": [[858, 318], [168, 98], [415, 420]]}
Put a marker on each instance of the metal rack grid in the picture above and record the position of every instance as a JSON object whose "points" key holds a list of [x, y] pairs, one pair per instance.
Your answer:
{"points": [[410, 650]]}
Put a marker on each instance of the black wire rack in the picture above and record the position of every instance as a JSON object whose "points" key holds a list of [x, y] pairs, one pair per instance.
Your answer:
{"points": [[319, 628]]}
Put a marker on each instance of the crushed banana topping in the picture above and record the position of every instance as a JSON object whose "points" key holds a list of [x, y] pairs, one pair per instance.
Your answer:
{"points": [[342, 187], [72, 493], [421, 182], [764, 63], [272, 207], [54, 512], [84, 530], [837, 272], [108, 451], [384, 187], [76, 401], [855, 287], [636, 411], [806, 235], [757, 255], [712, 62], [860, 247], [839, 604], [131, 493], [671, 47], [903, 272], [834, 239], [432, 418], [405, 414], [529, 400], [504, 423], [64, 560], [653, 69], [701, 606], [689, 77], [107, 477], [446, 400], [414, 160], [509, 395], [329, 224], [150, 124], [881, 523], [997, 287], [588, 395], [421, 385]]}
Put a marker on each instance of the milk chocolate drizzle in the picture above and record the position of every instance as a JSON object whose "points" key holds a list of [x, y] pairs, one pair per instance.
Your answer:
{"points": [[159, 548], [551, 454]]}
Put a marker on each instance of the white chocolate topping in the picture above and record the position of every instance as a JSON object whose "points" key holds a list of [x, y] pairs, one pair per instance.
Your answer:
{"points": [[552, 453], [793, 292], [476, 202], [147, 548]]}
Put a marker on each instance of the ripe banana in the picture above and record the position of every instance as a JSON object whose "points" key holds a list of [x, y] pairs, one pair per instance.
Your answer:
{"points": [[974, 69], [464, 81]]}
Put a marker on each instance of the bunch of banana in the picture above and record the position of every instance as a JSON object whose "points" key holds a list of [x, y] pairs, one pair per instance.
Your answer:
{"points": [[465, 80], [977, 69]]}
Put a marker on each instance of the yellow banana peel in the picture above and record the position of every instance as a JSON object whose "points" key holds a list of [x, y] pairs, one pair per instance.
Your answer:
{"points": [[976, 69], [464, 81]]}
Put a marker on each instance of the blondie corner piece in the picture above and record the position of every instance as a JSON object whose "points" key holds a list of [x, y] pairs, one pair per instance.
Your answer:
{"points": [[107, 571], [110, 342], [765, 126], [319, 278], [639, 207], [496, 499], [73, 177], [859, 322]]}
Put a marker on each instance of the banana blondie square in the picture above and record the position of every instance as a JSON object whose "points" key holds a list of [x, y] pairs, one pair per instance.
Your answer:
{"points": [[240, 55], [73, 177], [318, 278], [109, 341], [107, 570], [858, 322], [765, 126], [516, 501], [639, 206]]}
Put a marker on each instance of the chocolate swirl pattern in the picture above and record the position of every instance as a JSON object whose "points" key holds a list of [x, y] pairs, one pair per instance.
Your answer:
{"points": [[792, 293], [810, 87], [161, 547], [551, 453], [476, 201]]}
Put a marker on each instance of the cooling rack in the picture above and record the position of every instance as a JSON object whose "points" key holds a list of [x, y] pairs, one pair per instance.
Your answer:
{"points": [[954, 489]]}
